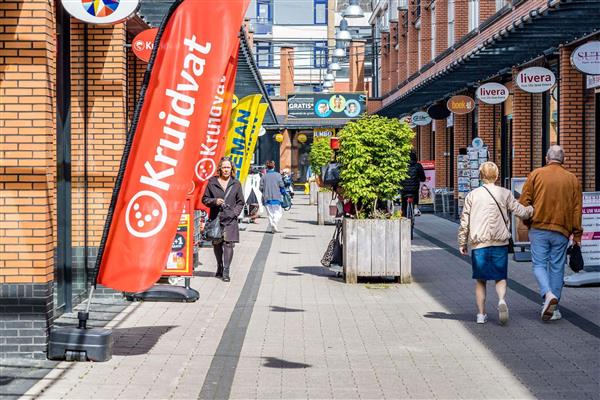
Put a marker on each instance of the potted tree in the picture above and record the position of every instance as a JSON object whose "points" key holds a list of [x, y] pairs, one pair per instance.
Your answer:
{"points": [[374, 156], [320, 155]]}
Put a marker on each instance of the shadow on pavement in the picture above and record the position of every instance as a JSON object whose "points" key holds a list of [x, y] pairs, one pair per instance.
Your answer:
{"points": [[205, 274], [138, 340], [286, 309], [287, 274], [553, 360], [304, 221], [273, 362], [320, 271], [289, 252]]}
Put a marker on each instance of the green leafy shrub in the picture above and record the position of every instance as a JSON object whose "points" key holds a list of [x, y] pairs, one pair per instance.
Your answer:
{"points": [[374, 155], [320, 154]]}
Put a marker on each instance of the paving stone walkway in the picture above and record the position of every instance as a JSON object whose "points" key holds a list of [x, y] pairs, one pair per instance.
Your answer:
{"points": [[285, 327]]}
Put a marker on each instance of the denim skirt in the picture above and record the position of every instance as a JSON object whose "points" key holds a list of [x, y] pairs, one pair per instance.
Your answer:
{"points": [[490, 263]]}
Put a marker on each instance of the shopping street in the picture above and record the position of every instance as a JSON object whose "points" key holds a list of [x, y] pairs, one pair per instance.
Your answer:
{"points": [[286, 327]]}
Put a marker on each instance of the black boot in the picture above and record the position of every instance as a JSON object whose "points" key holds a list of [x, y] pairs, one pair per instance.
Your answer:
{"points": [[218, 249], [219, 272], [227, 257]]}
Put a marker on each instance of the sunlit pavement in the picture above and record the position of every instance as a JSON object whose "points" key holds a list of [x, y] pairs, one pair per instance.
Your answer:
{"points": [[285, 327]]}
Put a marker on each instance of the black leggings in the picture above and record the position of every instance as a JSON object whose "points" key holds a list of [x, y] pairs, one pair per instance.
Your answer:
{"points": [[224, 254]]}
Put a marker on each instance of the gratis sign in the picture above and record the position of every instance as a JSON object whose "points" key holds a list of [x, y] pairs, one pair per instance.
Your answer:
{"points": [[326, 105]]}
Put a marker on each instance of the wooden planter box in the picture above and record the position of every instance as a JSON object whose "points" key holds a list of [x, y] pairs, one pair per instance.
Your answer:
{"points": [[323, 212], [314, 190], [377, 248]]}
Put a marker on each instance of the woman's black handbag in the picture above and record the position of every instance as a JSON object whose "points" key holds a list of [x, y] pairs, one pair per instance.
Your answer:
{"points": [[511, 242], [213, 229], [330, 174], [334, 253], [575, 258]]}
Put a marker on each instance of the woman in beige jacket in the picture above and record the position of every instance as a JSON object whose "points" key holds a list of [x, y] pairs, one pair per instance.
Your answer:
{"points": [[485, 227]]}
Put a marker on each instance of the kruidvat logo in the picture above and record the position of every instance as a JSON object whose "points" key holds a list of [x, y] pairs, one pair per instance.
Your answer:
{"points": [[205, 168], [140, 45], [146, 214]]}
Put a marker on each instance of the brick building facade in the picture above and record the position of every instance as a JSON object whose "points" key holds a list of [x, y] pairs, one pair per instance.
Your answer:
{"points": [[475, 42], [67, 95]]}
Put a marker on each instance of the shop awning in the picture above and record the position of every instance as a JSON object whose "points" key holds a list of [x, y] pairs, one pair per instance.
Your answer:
{"points": [[533, 34], [248, 80]]}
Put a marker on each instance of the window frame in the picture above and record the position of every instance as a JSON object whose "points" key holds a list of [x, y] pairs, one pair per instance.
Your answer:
{"points": [[473, 14], [433, 29], [320, 50], [269, 5], [269, 47], [315, 4]]}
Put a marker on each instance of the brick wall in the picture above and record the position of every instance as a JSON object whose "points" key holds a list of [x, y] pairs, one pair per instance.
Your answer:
{"points": [[527, 131], [490, 120], [402, 47], [27, 170], [487, 8], [425, 33], [461, 19], [441, 147], [27, 129], [425, 143], [385, 63], [357, 66], [571, 113], [441, 26], [412, 38], [394, 55]]}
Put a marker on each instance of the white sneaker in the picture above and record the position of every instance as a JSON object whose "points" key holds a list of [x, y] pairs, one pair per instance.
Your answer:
{"points": [[550, 303], [481, 318], [275, 229], [417, 212], [502, 312], [556, 316]]}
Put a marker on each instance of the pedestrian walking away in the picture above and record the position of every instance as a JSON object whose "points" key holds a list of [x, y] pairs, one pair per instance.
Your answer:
{"points": [[225, 198], [485, 227], [410, 186], [271, 187], [556, 196]]}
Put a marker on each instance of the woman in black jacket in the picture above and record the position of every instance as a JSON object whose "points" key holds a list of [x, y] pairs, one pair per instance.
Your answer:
{"points": [[225, 198]]}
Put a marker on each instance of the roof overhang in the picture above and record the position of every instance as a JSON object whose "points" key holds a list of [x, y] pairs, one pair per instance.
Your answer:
{"points": [[480, 57]]}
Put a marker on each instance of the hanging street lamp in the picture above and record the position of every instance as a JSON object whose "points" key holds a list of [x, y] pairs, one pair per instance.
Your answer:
{"points": [[353, 10]]}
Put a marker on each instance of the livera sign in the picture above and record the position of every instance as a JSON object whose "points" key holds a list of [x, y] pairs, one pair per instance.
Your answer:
{"points": [[536, 79], [492, 93]]}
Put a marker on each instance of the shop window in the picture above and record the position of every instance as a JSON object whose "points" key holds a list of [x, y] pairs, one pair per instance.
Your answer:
{"points": [[450, 23], [473, 14], [417, 5], [264, 55], [320, 14], [320, 55]]}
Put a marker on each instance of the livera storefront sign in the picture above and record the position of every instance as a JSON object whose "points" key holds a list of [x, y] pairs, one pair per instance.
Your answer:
{"points": [[492, 93], [536, 79]]}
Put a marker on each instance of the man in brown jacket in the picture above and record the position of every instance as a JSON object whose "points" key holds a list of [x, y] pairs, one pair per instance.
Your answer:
{"points": [[556, 197]]}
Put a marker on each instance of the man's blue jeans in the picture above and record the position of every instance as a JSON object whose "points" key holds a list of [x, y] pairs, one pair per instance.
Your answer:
{"points": [[548, 256]]}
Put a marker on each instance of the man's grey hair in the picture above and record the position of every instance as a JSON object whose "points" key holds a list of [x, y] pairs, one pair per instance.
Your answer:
{"points": [[555, 153]]}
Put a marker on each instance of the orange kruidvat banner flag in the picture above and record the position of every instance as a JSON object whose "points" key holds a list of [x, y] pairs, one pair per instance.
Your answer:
{"points": [[192, 49], [213, 147]]}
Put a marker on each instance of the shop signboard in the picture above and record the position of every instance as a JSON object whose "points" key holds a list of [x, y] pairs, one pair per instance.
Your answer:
{"points": [[520, 232], [323, 132], [586, 58], [461, 104], [326, 105], [143, 43], [492, 93], [421, 118], [438, 111], [179, 262], [535, 79], [593, 81], [426, 188], [101, 11], [590, 241]]}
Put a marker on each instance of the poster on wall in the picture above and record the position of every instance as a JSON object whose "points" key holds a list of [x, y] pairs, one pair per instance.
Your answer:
{"points": [[520, 232], [426, 188], [590, 241], [326, 105], [180, 257]]}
